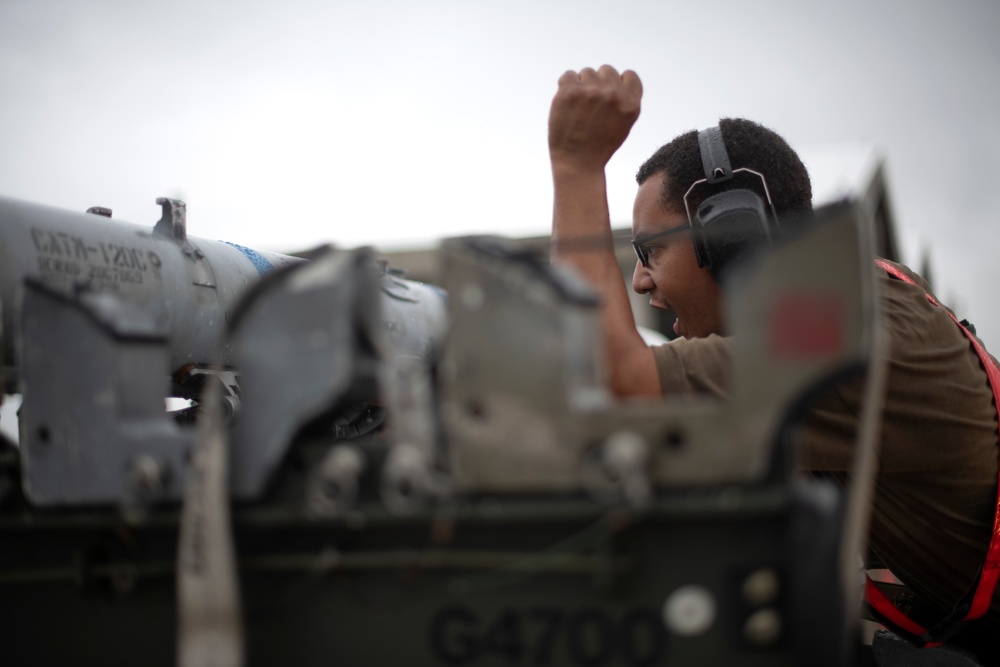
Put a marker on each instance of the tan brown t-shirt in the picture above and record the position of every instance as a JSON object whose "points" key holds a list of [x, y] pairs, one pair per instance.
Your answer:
{"points": [[936, 489]]}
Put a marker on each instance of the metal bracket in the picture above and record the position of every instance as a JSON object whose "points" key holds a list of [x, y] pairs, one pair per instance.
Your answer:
{"points": [[173, 225], [307, 340], [173, 222], [93, 424]]}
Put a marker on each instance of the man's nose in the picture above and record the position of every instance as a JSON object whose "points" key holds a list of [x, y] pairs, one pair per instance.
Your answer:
{"points": [[642, 282]]}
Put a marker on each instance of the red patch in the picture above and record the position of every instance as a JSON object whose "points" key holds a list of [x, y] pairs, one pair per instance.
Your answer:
{"points": [[807, 326]]}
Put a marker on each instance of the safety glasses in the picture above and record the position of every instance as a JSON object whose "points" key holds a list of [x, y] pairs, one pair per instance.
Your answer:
{"points": [[639, 244]]}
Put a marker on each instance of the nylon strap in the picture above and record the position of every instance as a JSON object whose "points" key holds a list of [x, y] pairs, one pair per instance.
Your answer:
{"points": [[982, 590]]}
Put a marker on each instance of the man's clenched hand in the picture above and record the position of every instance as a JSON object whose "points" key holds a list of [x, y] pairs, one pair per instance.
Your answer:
{"points": [[592, 114]]}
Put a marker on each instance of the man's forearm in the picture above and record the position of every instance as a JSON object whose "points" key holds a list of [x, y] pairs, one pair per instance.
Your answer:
{"points": [[582, 239], [581, 228]]}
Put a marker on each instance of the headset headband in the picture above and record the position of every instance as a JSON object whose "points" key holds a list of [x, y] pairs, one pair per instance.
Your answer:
{"points": [[714, 158]]}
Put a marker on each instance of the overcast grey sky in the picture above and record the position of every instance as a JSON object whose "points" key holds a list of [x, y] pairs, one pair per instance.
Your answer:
{"points": [[285, 124]]}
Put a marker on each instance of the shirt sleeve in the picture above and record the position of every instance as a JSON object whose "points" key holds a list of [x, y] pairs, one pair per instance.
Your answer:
{"points": [[694, 366]]}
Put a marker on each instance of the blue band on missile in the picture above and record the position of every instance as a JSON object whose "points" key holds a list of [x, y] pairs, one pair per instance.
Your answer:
{"points": [[261, 263]]}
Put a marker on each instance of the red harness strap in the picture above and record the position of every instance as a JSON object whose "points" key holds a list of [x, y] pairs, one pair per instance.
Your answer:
{"points": [[977, 601]]}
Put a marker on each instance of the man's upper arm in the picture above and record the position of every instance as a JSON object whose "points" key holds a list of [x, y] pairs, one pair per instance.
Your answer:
{"points": [[634, 372], [694, 366]]}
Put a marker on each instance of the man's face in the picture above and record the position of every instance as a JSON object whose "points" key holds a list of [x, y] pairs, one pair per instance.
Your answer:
{"points": [[673, 280]]}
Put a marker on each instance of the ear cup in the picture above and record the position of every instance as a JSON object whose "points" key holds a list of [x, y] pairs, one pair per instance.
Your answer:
{"points": [[729, 226]]}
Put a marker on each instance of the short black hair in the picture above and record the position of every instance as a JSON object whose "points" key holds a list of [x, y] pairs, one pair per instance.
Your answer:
{"points": [[749, 145]]}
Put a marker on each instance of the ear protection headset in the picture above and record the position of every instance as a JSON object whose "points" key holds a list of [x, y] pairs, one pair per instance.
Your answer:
{"points": [[727, 225]]}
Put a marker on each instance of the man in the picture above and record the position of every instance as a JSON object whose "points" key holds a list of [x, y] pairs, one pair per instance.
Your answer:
{"points": [[936, 490]]}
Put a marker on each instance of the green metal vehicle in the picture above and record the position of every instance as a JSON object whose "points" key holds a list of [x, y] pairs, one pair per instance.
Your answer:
{"points": [[372, 474]]}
